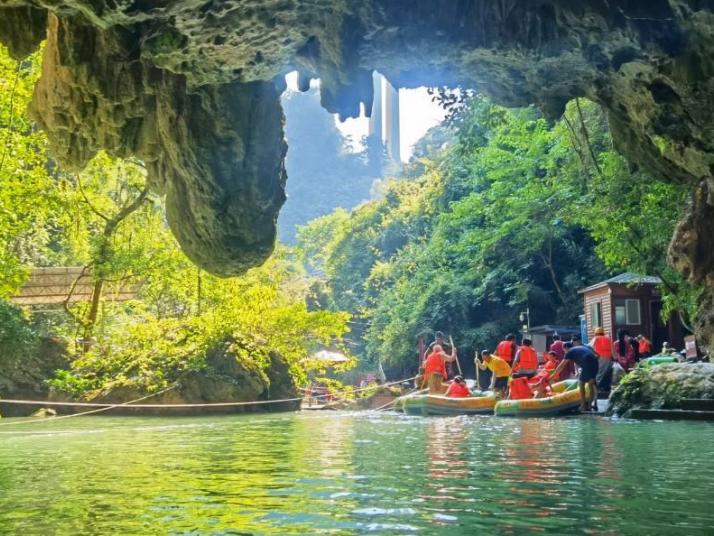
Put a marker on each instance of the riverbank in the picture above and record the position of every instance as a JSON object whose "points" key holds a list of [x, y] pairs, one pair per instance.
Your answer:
{"points": [[223, 377], [664, 387]]}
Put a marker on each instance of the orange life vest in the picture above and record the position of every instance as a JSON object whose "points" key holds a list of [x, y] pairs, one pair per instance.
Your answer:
{"points": [[504, 350], [602, 345], [544, 374], [520, 389], [645, 346], [434, 363], [458, 390], [528, 359]]}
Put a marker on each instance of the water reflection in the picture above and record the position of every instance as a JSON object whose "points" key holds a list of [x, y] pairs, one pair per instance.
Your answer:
{"points": [[356, 473]]}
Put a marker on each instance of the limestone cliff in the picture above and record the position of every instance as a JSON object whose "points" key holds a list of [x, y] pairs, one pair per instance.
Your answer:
{"points": [[191, 87]]}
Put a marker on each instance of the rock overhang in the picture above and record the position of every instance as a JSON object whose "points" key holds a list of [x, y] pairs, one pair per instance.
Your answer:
{"points": [[192, 87]]}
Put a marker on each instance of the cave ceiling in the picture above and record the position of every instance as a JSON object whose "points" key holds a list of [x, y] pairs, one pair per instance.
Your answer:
{"points": [[192, 88]]}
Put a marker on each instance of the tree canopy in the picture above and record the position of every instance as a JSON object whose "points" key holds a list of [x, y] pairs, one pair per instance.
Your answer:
{"points": [[106, 220], [516, 212]]}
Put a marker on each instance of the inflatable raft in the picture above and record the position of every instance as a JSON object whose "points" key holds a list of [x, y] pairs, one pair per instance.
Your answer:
{"points": [[424, 404], [657, 360], [565, 400]]}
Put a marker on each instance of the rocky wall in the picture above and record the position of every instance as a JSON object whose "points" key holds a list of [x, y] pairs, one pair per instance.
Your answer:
{"points": [[662, 387], [191, 88]]}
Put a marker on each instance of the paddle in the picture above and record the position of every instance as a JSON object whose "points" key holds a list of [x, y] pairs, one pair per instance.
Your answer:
{"points": [[453, 351], [478, 372]]}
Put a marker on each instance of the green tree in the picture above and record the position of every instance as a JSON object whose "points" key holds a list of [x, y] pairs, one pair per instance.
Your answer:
{"points": [[514, 211], [28, 191]]}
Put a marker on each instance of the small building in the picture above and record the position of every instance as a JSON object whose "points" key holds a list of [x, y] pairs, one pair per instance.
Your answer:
{"points": [[542, 336], [632, 302]]}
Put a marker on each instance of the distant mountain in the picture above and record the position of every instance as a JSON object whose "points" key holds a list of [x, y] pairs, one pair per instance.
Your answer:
{"points": [[323, 173]]}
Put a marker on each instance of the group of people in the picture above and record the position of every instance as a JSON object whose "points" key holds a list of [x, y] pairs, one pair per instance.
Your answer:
{"points": [[516, 372], [618, 356]]}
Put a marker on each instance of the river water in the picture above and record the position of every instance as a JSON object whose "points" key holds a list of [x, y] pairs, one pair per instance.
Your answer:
{"points": [[332, 473]]}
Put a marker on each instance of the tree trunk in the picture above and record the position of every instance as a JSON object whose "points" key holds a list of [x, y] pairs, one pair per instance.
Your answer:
{"points": [[104, 257]]}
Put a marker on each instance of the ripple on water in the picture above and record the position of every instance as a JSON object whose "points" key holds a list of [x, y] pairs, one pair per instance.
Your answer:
{"points": [[354, 473]]}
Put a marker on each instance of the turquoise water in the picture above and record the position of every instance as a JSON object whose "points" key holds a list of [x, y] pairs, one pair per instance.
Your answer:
{"points": [[327, 473]]}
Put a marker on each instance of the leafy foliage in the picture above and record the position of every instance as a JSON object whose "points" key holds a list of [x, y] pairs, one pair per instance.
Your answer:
{"points": [[28, 193], [514, 212], [261, 311], [18, 341], [104, 220]]}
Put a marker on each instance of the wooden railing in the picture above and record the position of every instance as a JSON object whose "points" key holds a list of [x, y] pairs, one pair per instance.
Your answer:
{"points": [[48, 286]]}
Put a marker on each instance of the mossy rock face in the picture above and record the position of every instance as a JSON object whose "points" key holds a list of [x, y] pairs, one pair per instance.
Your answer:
{"points": [[662, 387], [27, 379], [227, 377], [193, 90]]}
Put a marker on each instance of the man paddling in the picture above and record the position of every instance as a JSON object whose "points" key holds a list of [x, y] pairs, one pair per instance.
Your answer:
{"points": [[435, 369], [439, 340], [500, 371]]}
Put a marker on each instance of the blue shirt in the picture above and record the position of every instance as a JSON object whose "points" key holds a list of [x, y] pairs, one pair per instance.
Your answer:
{"points": [[583, 356]]}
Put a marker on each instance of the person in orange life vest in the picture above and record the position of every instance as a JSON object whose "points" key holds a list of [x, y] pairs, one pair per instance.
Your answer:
{"points": [[645, 346], [551, 362], [519, 389], [458, 388], [507, 348], [526, 361], [541, 381], [445, 346], [435, 369], [602, 344]]}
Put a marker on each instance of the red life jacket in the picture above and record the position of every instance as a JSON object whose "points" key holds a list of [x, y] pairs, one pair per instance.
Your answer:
{"points": [[602, 346], [528, 359], [434, 363], [504, 350], [544, 374], [520, 389], [645, 346], [458, 390]]}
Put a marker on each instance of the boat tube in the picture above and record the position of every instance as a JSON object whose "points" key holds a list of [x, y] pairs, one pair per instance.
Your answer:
{"points": [[566, 399], [657, 360], [480, 403]]}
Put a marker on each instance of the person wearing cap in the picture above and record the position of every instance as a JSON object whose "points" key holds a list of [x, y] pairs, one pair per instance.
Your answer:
{"points": [[458, 388], [605, 350]]}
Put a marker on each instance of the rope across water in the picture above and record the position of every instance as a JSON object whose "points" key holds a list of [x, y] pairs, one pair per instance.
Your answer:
{"points": [[100, 407]]}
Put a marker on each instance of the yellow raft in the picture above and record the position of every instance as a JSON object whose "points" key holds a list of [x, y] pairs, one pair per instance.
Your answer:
{"points": [[482, 403], [565, 400]]}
